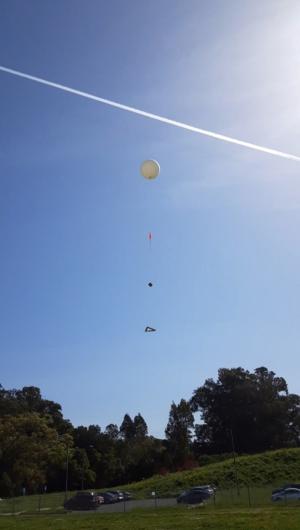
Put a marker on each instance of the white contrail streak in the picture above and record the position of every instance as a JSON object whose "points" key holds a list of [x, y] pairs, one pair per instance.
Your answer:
{"points": [[179, 124]]}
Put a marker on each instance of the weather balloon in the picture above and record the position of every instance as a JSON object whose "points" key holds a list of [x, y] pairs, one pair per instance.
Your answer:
{"points": [[150, 169]]}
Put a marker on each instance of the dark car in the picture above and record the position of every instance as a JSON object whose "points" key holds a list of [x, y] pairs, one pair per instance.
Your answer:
{"points": [[108, 497], [287, 494], [84, 501], [118, 495], [194, 496]]}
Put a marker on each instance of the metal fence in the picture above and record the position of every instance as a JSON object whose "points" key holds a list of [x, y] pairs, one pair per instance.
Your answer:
{"points": [[51, 502], [244, 497]]}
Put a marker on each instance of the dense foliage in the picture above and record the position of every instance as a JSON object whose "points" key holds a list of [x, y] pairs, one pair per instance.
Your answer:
{"points": [[241, 411], [254, 410]]}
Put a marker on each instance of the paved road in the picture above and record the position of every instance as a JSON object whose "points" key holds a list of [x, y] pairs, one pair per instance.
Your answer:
{"points": [[130, 505]]}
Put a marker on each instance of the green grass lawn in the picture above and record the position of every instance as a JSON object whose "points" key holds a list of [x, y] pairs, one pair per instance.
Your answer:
{"points": [[164, 519]]}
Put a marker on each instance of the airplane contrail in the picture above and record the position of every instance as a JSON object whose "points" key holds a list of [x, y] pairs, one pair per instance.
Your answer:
{"points": [[156, 117]]}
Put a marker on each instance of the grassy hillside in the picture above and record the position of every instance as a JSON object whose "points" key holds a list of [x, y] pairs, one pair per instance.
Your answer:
{"points": [[261, 472], [273, 467]]}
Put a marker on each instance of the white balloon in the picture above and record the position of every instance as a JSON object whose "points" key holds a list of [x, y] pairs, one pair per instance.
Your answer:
{"points": [[150, 169]]}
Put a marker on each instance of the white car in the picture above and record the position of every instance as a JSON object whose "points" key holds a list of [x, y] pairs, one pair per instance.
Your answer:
{"points": [[287, 494]]}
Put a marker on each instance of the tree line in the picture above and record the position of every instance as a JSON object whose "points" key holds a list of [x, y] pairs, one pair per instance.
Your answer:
{"points": [[241, 411]]}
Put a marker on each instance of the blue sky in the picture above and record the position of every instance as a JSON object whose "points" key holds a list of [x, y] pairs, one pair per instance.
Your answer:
{"points": [[75, 212]]}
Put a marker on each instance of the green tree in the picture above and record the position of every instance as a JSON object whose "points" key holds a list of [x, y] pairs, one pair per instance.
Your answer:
{"points": [[252, 408], [86, 437], [29, 448], [29, 399], [6, 485], [127, 428], [81, 476], [112, 431], [179, 432], [140, 427]]}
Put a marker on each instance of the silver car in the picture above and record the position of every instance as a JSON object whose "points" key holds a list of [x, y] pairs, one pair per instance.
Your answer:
{"points": [[287, 494]]}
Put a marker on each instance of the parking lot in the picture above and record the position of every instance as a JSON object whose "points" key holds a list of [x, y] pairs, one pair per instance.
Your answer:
{"points": [[131, 505]]}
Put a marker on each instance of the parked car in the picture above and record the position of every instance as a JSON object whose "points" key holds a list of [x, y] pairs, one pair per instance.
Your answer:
{"points": [[208, 487], [287, 494], [84, 501], [127, 495], [193, 496], [108, 498], [118, 495], [100, 497]]}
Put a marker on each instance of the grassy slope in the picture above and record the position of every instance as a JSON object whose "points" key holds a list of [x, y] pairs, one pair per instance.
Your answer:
{"points": [[163, 519], [273, 467]]}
